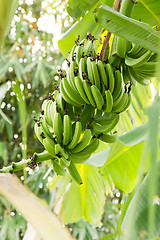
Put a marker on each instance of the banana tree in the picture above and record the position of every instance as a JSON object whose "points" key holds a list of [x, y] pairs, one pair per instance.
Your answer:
{"points": [[103, 91]]}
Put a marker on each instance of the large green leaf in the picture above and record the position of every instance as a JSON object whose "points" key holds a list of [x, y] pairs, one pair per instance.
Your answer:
{"points": [[153, 142], [139, 33], [84, 201], [78, 8], [44, 222], [135, 135], [7, 10], [123, 165], [138, 212], [153, 7], [98, 159], [129, 138], [144, 14]]}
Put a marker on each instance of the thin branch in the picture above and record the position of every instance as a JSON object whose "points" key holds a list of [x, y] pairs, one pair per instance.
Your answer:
{"points": [[116, 6], [31, 162]]}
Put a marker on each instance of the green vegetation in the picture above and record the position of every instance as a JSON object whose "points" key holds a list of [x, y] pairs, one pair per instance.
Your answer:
{"points": [[79, 125]]}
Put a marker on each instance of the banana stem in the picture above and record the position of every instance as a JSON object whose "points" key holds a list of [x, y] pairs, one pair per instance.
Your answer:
{"points": [[127, 7], [116, 6], [31, 162]]}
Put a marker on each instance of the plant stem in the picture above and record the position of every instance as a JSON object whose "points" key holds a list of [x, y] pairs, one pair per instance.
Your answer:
{"points": [[31, 162], [116, 6]]}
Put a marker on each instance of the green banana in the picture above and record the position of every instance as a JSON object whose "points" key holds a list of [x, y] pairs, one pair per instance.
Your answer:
{"points": [[44, 105], [57, 168], [78, 53], [105, 119], [98, 98], [47, 113], [141, 52], [127, 103], [79, 160], [109, 101], [74, 173], [120, 106], [124, 74], [145, 75], [88, 92], [64, 162], [60, 103], [96, 75], [116, 101], [49, 146], [89, 70], [102, 72], [82, 67], [83, 142], [108, 138], [97, 128], [66, 97], [45, 128], [71, 55], [53, 110], [70, 74], [80, 89], [56, 94], [136, 62], [130, 76], [61, 151], [134, 50], [148, 66], [67, 129], [117, 85], [88, 150], [74, 95], [139, 78], [38, 131], [110, 77], [58, 127], [153, 58], [89, 48], [76, 135], [121, 47]]}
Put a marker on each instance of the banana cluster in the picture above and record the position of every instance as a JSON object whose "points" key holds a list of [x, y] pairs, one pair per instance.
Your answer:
{"points": [[138, 64], [86, 107], [90, 81], [70, 134]]}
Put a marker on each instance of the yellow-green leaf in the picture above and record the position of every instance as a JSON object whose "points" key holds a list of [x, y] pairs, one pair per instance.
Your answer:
{"points": [[44, 222]]}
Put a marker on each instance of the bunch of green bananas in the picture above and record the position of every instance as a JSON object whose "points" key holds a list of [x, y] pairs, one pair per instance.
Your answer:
{"points": [[90, 81], [85, 108], [71, 134], [137, 63]]}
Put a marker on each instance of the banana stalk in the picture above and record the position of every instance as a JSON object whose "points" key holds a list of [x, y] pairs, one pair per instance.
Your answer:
{"points": [[35, 159]]}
